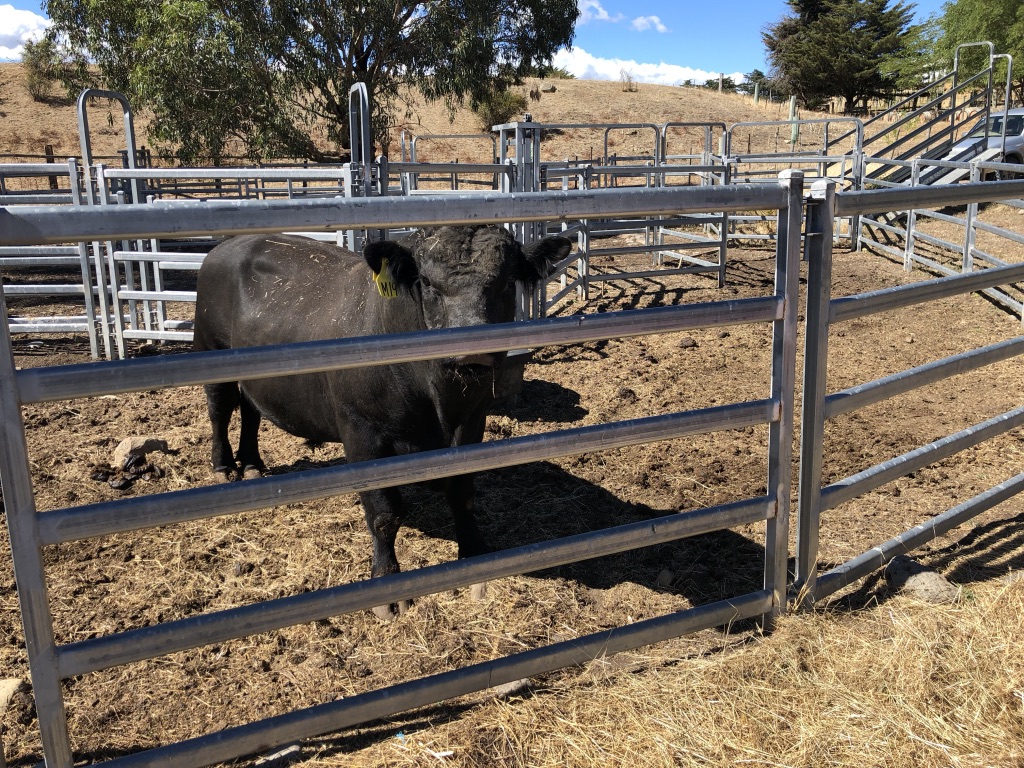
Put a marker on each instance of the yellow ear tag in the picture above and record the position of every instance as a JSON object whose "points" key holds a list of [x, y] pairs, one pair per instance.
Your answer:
{"points": [[385, 285]]}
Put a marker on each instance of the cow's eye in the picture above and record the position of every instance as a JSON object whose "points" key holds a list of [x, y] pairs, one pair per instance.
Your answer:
{"points": [[424, 282]]}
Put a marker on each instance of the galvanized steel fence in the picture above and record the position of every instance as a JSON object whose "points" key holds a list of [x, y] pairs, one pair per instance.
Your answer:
{"points": [[32, 531], [823, 312]]}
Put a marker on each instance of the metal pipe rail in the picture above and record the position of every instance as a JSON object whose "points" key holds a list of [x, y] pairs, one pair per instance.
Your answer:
{"points": [[32, 225], [38, 385], [861, 305], [866, 394], [321, 172], [366, 707], [33, 255], [449, 168], [905, 198], [853, 486], [220, 626], [843, 575]]}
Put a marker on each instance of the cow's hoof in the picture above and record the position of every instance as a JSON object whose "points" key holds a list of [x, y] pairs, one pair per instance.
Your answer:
{"points": [[478, 592], [224, 474], [251, 473], [392, 611]]}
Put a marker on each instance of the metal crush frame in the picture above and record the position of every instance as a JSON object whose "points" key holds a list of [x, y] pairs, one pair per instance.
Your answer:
{"points": [[31, 531]]}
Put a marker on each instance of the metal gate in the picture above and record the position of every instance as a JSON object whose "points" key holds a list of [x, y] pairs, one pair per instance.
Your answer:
{"points": [[32, 532], [823, 312]]}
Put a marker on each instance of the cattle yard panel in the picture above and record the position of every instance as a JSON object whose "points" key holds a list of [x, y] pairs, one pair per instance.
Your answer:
{"points": [[753, 153], [823, 312], [31, 531], [697, 243], [712, 233], [451, 176], [54, 260], [138, 270], [904, 234]]}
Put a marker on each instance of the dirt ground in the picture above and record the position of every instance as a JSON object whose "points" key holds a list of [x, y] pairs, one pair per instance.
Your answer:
{"points": [[134, 580]]}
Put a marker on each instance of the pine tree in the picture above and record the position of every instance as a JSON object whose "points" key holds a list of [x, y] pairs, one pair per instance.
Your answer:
{"points": [[839, 48]]}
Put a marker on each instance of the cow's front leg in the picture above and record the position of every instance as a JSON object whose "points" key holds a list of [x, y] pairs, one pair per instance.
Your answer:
{"points": [[383, 510], [248, 456], [461, 494], [221, 401]]}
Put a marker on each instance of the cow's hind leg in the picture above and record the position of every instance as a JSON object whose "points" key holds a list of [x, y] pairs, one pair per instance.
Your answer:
{"points": [[248, 456], [221, 401], [383, 517], [461, 494]]}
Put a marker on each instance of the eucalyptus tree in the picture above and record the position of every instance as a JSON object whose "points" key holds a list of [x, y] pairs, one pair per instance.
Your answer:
{"points": [[1000, 22], [272, 75]]}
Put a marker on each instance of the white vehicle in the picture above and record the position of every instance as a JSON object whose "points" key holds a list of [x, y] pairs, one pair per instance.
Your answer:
{"points": [[991, 130]]}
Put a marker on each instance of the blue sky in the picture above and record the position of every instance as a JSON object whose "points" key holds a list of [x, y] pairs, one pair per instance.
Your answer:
{"points": [[669, 41], [660, 41]]}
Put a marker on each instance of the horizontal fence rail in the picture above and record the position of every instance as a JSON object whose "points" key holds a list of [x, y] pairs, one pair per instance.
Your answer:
{"points": [[59, 383], [135, 645], [374, 705], [44, 225]]}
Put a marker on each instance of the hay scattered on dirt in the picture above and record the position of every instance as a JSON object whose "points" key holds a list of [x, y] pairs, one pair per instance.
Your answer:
{"points": [[903, 684]]}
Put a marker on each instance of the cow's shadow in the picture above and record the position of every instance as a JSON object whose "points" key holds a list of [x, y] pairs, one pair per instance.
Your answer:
{"points": [[542, 401], [541, 501]]}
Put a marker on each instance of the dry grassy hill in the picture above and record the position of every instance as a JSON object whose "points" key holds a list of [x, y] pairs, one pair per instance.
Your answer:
{"points": [[29, 126]]}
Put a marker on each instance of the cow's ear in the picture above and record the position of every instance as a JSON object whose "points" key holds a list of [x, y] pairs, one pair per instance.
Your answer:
{"points": [[542, 256], [400, 261]]}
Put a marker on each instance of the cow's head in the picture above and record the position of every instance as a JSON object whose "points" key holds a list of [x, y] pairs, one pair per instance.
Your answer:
{"points": [[465, 275], [462, 276]]}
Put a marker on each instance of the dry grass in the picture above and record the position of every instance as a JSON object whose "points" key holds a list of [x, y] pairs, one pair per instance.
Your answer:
{"points": [[902, 684]]}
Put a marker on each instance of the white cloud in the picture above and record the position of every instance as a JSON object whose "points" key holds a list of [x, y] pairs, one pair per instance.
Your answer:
{"points": [[592, 10], [588, 67], [16, 28], [643, 23]]}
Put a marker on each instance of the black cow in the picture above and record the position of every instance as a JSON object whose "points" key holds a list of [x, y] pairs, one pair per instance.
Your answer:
{"points": [[258, 290]]}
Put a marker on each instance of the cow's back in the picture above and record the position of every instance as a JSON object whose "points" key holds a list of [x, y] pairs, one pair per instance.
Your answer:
{"points": [[256, 290], [279, 289]]}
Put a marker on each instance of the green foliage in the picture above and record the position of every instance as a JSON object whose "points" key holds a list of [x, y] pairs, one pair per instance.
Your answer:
{"points": [[41, 65], [499, 107], [769, 88], [272, 74], [920, 58], [551, 72], [727, 83], [839, 48], [1000, 22]]}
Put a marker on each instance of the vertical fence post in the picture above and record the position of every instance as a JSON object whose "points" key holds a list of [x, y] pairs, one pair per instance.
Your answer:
{"points": [[908, 246], [51, 158], [818, 239], [972, 216], [780, 433], [22, 523]]}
